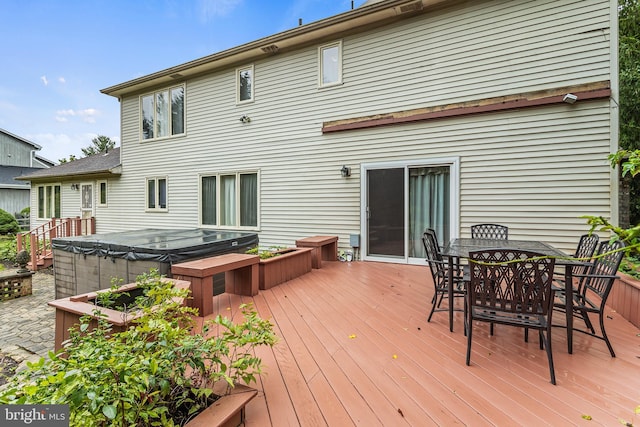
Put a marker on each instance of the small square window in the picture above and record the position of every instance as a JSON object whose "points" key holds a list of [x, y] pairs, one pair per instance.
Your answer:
{"points": [[157, 194], [244, 84], [330, 59]]}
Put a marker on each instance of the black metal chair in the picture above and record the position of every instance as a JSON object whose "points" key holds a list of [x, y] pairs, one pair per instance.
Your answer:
{"points": [[584, 252], [490, 231], [511, 287], [440, 273], [596, 282]]}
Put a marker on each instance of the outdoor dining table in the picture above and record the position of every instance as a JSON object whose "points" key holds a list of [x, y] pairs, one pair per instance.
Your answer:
{"points": [[460, 248]]}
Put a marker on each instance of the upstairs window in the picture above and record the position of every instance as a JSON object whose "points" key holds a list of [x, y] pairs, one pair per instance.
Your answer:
{"points": [[244, 84], [163, 113], [157, 194], [330, 60]]}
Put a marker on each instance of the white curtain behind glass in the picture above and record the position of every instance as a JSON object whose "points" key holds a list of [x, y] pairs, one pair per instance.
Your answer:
{"points": [[228, 200], [428, 206]]}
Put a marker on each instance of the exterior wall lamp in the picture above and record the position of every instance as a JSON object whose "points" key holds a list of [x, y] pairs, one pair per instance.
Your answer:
{"points": [[345, 171], [75, 187]]}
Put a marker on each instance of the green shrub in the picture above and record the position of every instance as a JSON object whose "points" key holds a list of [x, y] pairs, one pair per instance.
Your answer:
{"points": [[157, 372], [26, 211], [8, 248], [8, 223]]}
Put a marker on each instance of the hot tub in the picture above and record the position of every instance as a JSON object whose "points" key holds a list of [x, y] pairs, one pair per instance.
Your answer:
{"points": [[89, 263]]}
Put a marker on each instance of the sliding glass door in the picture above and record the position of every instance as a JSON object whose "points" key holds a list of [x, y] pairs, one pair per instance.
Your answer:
{"points": [[400, 201]]}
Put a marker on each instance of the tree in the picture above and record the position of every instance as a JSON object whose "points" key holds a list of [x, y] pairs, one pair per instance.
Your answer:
{"points": [[101, 144], [629, 59]]}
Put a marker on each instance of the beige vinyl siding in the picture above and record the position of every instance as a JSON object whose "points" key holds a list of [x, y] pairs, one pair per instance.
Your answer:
{"points": [[535, 169]]}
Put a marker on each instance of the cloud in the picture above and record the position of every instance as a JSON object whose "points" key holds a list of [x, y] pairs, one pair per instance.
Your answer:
{"points": [[44, 80], [61, 80], [87, 115], [209, 9]]}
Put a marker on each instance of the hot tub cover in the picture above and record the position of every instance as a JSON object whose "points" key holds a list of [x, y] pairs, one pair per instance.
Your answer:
{"points": [[157, 244]]}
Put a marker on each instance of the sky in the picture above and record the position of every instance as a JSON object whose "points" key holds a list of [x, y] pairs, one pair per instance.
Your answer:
{"points": [[56, 55]]}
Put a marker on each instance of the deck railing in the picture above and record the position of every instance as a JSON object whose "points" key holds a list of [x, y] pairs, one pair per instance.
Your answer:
{"points": [[38, 240]]}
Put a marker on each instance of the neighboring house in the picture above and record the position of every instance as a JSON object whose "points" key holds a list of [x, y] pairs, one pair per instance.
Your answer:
{"points": [[17, 157], [379, 122], [78, 188]]}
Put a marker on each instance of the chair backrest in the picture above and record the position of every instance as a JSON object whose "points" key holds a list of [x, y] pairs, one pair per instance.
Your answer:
{"points": [[434, 256], [587, 246], [490, 231], [510, 280], [601, 276]]}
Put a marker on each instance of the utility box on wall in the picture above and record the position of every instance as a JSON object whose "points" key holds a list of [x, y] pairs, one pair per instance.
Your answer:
{"points": [[354, 240]]}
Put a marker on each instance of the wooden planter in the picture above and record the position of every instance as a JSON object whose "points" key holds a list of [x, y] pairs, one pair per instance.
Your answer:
{"points": [[625, 298], [228, 411], [70, 310], [291, 263]]}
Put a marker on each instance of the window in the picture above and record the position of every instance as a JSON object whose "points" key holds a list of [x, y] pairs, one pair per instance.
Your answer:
{"points": [[244, 84], [102, 193], [229, 200], [163, 113], [157, 194], [49, 201], [330, 57]]}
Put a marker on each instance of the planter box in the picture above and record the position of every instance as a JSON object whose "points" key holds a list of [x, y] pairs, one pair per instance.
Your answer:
{"points": [[291, 263], [625, 298], [15, 285], [70, 310], [228, 411]]}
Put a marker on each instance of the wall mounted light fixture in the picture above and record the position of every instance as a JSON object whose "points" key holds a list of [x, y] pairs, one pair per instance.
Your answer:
{"points": [[245, 119], [570, 98], [345, 171], [75, 187]]}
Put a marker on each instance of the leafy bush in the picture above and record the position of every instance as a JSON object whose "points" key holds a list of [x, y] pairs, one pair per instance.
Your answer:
{"points": [[8, 247], [8, 223], [158, 372]]}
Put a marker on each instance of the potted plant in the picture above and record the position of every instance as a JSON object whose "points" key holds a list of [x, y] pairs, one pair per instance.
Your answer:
{"points": [[277, 264], [161, 370]]}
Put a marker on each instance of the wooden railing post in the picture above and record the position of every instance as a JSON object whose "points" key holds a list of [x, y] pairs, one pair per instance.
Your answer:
{"points": [[19, 244], [33, 240]]}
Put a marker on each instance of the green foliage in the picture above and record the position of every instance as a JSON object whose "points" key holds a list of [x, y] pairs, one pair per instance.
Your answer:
{"points": [[26, 211], [8, 248], [267, 253], [101, 144], [8, 223], [629, 91], [157, 372]]}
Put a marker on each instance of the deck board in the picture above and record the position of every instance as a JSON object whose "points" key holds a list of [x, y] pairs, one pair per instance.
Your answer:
{"points": [[355, 350]]}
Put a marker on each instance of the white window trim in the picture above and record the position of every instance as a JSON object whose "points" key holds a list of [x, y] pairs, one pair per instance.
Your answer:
{"points": [[218, 197], [52, 207], [99, 198], [157, 198], [320, 63], [253, 80], [184, 113]]}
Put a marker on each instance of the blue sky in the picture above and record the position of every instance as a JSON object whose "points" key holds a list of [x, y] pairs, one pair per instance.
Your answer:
{"points": [[56, 55]]}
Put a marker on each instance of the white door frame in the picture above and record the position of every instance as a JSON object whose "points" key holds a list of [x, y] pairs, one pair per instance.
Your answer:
{"points": [[454, 218]]}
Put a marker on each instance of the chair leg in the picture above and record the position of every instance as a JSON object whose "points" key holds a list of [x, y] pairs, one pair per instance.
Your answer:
{"points": [[585, 316], [469, 333], [604, 334], [433, 306], [547, 346]]}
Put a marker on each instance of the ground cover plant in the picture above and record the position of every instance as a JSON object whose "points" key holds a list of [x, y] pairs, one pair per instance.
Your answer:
{"points": [[160, 371]]}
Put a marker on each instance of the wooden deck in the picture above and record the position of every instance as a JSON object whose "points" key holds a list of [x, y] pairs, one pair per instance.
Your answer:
{"points": [[355, 349]]}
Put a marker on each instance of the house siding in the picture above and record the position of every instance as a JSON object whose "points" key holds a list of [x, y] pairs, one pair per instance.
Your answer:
{"points": [[536, 169]]}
